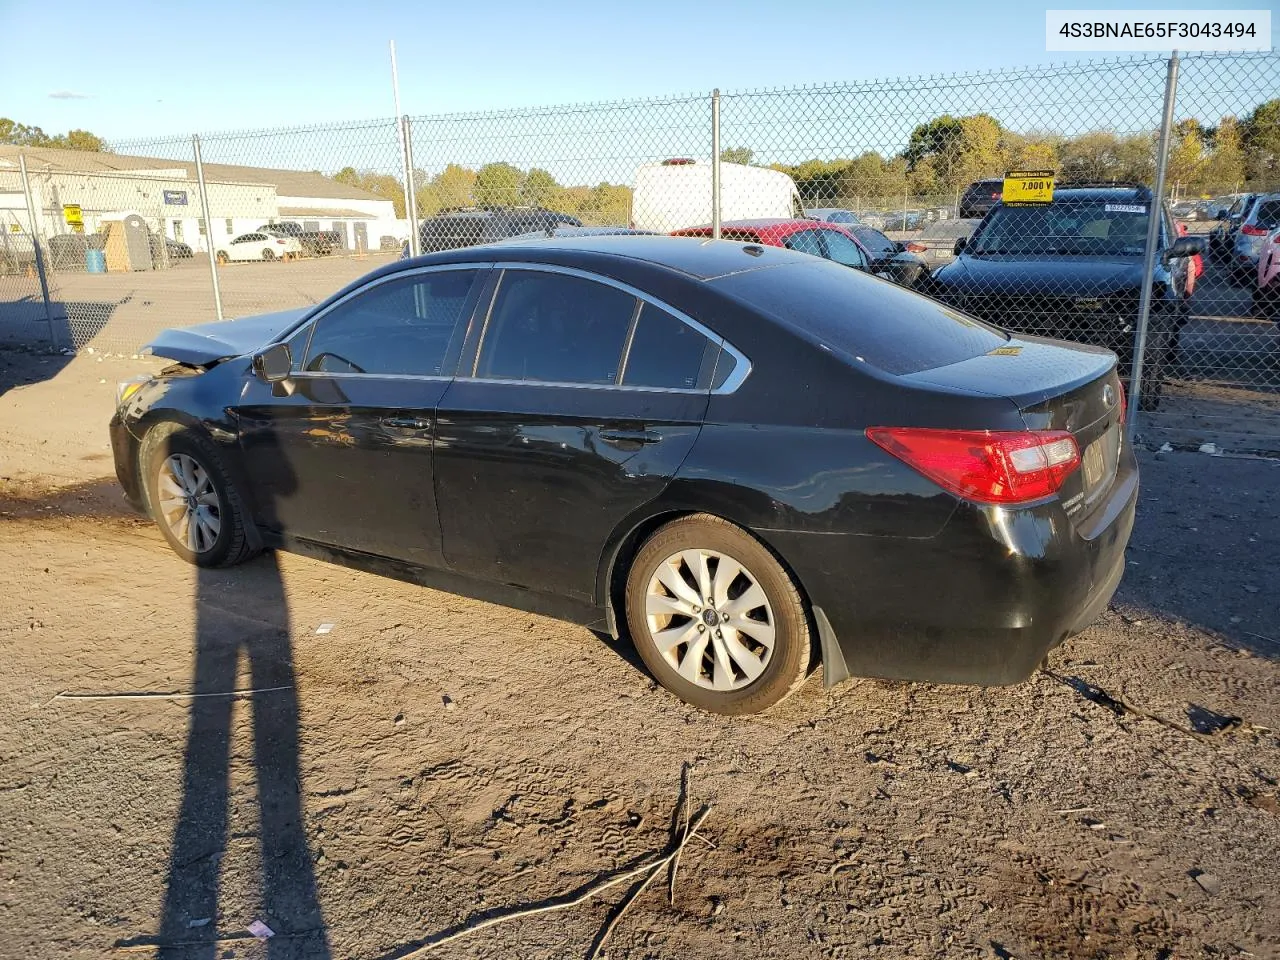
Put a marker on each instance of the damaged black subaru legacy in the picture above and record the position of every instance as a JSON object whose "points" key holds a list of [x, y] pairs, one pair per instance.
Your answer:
{"points": [[743, 457]]}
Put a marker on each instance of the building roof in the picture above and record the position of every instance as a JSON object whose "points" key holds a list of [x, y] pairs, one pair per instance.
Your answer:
{"points": [[326, 212], [290, 183]]}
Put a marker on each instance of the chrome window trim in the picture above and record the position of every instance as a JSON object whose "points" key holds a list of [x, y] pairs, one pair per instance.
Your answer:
{"points": [[315, 318], [742, 365]]}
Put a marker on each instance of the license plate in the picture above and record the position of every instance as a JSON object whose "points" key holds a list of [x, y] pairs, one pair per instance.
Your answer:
{"points": [[1094, 464]]}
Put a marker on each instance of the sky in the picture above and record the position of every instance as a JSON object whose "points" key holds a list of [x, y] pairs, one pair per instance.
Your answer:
{"points": [[130, 70]]}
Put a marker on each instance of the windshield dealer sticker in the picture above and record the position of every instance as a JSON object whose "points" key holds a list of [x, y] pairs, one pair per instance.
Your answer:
{"points": [[1125, 208], [1023, 187]]}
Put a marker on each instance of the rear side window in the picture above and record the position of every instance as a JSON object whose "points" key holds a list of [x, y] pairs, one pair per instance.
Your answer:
{"points": [[665, 352], [1269, 214], [885, 326], [555, 328]]}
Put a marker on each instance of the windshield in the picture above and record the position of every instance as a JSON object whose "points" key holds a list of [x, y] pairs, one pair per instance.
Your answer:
{"points": [[1093, 228]]}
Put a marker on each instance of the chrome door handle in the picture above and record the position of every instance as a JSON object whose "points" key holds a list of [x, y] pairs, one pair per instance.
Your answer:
{"points": [[629, 436], [406, 423]]}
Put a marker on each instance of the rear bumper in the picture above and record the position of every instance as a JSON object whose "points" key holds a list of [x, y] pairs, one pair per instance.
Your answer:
{"points": [[980, 603]]}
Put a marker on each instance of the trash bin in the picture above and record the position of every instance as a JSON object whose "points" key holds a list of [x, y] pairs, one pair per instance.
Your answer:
{"points": [[95, 261]]}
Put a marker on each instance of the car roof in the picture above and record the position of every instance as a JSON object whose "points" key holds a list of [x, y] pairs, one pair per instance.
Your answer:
{"points": [[769, 229], [702, 259]]}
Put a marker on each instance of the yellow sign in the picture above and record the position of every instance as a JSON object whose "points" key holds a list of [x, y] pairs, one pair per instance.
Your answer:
{"points": [[1028, 186], [71, 213], [15, 228]]}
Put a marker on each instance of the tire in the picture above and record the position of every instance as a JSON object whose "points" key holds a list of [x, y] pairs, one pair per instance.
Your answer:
{"points": [[208, 482], [222, 257], [268, 255], [658, 563]]}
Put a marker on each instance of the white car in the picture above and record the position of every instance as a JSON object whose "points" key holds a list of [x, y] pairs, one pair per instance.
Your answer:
{"points": [[259, 246]]}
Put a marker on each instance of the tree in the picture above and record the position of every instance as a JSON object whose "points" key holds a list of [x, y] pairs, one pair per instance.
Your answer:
{"points": [[539, 188], [497, 185], [607, 204], [379, 184], [740, 155], [1262, 143], [453, 186], [958, 150], [1186, 153], [19, 134], [1223, 171]]}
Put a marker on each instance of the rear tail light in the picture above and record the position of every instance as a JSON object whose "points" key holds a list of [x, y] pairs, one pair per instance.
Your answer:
{"points": [[1124, 403], [916, 247], [1002, 467], [281, 242], [1249, 230]]}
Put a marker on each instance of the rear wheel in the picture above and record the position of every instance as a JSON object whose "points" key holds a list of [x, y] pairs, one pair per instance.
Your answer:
{"points": [[716, 617], [192, 499]]}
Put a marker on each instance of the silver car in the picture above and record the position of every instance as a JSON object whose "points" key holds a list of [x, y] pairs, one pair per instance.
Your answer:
{"points": [[1262, 217]]}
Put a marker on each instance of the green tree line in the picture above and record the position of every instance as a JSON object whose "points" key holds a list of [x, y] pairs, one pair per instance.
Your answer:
{"points": [[21, 135], [947, 153], [496, 184]]}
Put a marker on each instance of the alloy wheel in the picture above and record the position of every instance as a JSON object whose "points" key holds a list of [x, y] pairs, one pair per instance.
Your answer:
{"points": [[710, 619], [189, 503]]}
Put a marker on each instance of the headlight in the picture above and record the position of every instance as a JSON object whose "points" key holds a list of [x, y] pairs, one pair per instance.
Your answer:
{"points": [[127, 388]]}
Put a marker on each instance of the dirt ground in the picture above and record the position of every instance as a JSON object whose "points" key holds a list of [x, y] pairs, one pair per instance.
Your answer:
{"points": [[431, 760]]}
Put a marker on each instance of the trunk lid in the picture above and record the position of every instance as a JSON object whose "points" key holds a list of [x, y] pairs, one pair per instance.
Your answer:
{"points": [[1056, 386]]}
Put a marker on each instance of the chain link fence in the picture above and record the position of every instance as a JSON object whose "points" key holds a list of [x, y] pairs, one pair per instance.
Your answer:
{"points": [[898, 177]]}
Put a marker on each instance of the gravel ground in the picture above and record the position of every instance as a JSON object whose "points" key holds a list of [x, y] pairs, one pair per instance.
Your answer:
{"points": [[431, 759]]}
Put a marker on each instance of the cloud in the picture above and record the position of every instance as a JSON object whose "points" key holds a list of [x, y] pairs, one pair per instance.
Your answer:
{"points": [[68, 95]]}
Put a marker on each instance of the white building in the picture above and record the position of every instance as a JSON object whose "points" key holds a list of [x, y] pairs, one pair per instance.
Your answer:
{"points": [[107, 186]]}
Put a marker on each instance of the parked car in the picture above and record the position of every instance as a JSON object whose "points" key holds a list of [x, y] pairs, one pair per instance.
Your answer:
{"points": [[1259, 219], [833, 215], [1073, 269], [903, 220], [259, 246], [174, 249], [936, 241], [1186, 209], [1266, 295], [979, 197], [901, 260], [470, 226], [734, 454], [1223, 237], [315, 243], [831, 241], [676, 194]]}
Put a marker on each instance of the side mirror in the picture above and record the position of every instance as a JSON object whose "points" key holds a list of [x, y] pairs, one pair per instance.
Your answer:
{"points": [[960, 244], [274, 363], [1187, 247], [1220, 214]]}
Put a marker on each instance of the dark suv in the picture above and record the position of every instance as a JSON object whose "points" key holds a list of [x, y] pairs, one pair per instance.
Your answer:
{"points": [[979, 197], [1072, 269], [471, 226]]}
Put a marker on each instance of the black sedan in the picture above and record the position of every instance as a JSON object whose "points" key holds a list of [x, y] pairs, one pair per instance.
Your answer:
{"points": [[741, 456]]}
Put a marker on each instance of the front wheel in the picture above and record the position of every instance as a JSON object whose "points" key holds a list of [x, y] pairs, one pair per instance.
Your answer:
{"points": [[192, 499], [268, 255], [716, 617], [222, 257]]}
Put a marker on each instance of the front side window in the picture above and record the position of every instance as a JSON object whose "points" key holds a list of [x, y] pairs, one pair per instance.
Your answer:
{"points": [[555, 328], [409, 326], [665, 352], [842, 249]]}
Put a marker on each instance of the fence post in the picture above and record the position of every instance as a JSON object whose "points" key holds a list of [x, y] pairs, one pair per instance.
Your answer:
{"points": [[208, 227], [54, 339], [410, 196], [715, 164], [1153, 237]]}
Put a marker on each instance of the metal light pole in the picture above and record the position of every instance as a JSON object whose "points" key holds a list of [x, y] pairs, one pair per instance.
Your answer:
{"points": [[715, 164], [406, 159], [54, 339], [208, 227], [1153, 238]]}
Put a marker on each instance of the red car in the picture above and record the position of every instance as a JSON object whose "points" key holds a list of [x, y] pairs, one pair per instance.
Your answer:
{"points": [[822, 239]]}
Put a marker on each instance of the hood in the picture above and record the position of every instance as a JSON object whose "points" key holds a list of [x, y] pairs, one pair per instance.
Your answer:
{"points": [[1077, 276], [208, 343]]}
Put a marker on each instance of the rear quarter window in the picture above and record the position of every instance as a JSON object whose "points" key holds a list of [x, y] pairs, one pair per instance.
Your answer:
{"points": [[871, 321]]}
